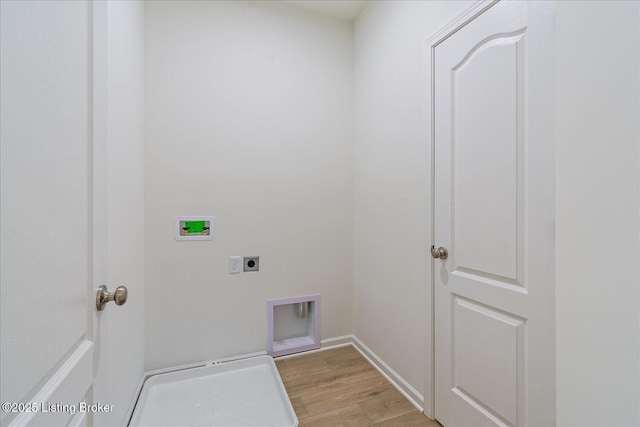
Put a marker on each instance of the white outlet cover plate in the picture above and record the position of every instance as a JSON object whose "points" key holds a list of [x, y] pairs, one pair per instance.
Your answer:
{"points": [[235, 264], [212, 227]]}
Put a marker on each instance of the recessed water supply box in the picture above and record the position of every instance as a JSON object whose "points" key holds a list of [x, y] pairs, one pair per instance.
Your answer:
{"points": [[194, 227], [293, 325]]}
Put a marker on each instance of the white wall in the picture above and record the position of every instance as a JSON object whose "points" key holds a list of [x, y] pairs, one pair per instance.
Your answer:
{"points": [[391, 205], [598, 255], [249, 119]]}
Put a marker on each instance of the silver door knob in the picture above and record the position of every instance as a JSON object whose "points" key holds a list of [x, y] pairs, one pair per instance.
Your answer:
{"points": [[440, 252], [119, 296]]}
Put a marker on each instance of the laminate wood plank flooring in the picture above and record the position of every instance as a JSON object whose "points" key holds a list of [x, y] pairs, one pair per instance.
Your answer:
{"points": [[336, 388]]}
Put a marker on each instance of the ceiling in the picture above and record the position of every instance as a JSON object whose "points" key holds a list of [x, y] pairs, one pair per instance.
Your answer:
{"points": [[347, 10]]}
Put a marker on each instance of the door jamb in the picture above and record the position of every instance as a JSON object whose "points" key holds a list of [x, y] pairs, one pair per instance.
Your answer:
{"points": [[98, 185]]}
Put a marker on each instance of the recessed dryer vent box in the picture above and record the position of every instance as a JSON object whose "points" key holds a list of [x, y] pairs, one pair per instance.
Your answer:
{"points": [[194, 227], [293, 325]]}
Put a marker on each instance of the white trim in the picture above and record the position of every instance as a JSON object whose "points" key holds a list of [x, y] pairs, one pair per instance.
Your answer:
{"points": [[336, 342], [406, 389], [305, 353], [430, 44], [326, 344], [460, 21]]}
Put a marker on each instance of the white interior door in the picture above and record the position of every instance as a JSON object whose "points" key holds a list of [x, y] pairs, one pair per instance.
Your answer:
{"points": [[55, 346], [46, 275], [494, 213]]}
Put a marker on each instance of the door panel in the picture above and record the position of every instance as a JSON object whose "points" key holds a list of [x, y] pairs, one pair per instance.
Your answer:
{"points": [[493, 186], [492, 339], [485, 176], [45, 223]]}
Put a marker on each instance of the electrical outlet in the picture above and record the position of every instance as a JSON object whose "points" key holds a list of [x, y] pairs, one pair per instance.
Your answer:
{"points": [[235, 265], [251, 263]]}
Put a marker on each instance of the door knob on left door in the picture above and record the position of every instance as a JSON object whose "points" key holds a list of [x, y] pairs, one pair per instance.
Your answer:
{"points": [[440, 252], [119, 296]]}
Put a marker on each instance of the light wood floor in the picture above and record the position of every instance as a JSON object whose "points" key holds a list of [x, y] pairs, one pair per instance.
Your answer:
{"points": [[339, 387]]}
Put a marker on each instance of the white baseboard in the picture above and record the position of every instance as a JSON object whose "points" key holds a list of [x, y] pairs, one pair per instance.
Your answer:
{"points": [[327, 344], [337, 341], [406, 389]]}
